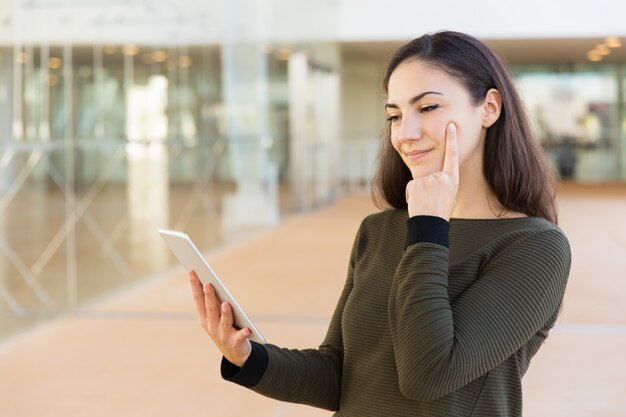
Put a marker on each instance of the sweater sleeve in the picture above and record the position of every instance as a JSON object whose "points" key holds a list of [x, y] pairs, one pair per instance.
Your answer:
{"points": [[440, 347], [310, 376]]}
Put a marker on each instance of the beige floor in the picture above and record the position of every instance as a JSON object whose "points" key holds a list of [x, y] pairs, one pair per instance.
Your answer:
{"points": [[112, 250], [141, 352]]}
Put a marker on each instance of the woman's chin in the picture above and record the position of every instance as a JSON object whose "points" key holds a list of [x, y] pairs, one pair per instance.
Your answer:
{"points": [[418, 170]]}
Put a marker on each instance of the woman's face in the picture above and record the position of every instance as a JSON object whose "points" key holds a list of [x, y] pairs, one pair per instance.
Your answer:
{"points": [[422, 101]]}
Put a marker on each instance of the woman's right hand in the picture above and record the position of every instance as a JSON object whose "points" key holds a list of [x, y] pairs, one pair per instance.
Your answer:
{"points": [[435, 194], [233, 343]]}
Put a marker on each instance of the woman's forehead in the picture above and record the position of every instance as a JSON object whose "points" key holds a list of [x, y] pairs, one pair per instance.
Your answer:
{"points": [[413, 78]]}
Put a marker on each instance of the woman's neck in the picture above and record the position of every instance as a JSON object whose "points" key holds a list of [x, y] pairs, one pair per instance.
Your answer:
{"points": [[476, 200]]}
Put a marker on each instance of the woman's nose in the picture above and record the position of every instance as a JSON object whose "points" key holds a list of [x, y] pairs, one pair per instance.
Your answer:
{"points": [[410, 129]]}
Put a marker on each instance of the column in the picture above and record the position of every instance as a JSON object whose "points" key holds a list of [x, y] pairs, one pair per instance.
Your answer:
{"points": [[246, 106], [6, 116]]}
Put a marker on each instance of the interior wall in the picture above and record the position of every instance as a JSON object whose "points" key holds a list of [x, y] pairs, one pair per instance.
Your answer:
{"points": [[362, 119], [362, 100]]}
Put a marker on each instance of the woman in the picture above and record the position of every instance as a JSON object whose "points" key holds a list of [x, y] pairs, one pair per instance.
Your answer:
{"points": [[450, 292]]}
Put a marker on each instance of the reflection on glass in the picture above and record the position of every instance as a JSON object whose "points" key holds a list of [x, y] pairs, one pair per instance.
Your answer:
{"points": [[147, 183], [146, 120], [147, 196], [130, 138], [314, 98]]}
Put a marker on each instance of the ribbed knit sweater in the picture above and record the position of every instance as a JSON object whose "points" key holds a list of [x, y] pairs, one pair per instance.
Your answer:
{"points": [[423, 329]]}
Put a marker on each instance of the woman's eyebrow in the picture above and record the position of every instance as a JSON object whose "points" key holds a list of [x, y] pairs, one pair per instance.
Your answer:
{"points": [[414, 99]]}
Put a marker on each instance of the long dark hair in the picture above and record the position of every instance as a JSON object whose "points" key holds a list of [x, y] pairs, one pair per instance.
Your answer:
{"points": [[514, 163]]}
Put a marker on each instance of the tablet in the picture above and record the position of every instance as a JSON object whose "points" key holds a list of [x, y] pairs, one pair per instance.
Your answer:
{"points": [[191, 258]]}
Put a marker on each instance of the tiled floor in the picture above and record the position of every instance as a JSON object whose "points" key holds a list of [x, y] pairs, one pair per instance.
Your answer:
{"points": [[141, 352]]}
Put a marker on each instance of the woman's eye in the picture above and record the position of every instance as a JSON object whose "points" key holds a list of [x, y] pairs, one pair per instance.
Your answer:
{"points": [[428, 109], [392, 118]]}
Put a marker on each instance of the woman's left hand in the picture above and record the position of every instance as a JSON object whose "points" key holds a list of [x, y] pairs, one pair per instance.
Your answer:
{"points": [[435, 194], [217, 321]]}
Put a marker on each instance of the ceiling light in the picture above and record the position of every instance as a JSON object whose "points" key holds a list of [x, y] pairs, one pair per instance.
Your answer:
{"points": [[55, 63], [613, 42], [159, 56], [594, 56], [130, 50], [602, 49], [184, 61], [283, 54], [22, 58]]}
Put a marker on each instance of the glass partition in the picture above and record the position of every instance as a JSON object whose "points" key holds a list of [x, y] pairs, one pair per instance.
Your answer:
{"points": [[100, 147], [102, 143], [575, 111]]}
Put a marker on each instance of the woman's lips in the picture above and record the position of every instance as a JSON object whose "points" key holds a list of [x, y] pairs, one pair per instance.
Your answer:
{"points": [[416, 154]]}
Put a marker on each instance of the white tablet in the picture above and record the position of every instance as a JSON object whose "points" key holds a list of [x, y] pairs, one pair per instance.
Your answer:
{"points": [[191, 258]]}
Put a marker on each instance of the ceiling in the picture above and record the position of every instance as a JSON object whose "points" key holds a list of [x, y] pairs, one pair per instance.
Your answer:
{"points": [[515, 52], [558, 52]]}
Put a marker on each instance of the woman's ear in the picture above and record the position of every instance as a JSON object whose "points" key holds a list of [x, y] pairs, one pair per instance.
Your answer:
{"points": [[492, 105]]}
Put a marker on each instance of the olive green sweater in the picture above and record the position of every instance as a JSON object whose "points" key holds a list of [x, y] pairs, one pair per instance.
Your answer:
{"points": [[421, 329]]}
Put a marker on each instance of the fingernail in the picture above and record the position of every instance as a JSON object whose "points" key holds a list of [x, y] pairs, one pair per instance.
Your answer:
{"points": [[246, 332], [224, 308], [452, 127]]}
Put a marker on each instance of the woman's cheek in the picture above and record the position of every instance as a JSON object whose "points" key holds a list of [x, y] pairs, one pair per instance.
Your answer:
{"points": [[394, 142]]}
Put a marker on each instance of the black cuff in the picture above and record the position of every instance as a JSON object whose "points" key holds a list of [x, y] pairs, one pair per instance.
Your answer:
{"points": [[429, 229], [253, 370]]}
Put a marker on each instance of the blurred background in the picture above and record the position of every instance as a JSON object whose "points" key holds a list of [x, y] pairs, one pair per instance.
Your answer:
{"points": [[225, 117]]}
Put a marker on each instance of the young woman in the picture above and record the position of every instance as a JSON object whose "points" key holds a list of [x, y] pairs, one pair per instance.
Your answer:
{"points": [[453, 289]]}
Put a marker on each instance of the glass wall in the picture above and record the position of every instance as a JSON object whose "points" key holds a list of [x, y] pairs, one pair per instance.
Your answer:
{"points": [[622, 119], [102, 144], [577, 113]]}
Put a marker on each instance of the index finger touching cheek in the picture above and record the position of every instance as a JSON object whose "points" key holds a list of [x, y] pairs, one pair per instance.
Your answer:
{"points": [[451, 160]]}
